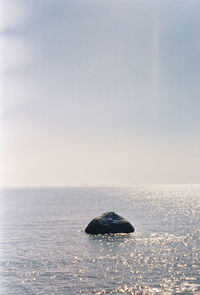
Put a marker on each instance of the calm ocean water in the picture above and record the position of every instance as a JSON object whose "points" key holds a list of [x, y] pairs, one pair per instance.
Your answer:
{"points": [[44, 249]]}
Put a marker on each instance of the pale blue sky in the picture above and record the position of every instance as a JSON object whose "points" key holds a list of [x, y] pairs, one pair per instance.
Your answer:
{"points": [[100, 92]]}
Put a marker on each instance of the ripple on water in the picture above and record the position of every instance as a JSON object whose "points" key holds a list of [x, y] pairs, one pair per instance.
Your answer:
{"points": [[161, 257]]}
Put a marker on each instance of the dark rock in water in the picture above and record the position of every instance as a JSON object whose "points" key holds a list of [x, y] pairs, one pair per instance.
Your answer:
{"points": [[108, 223]]}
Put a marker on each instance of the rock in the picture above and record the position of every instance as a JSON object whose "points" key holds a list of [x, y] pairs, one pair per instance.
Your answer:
{"points": [[107, 223]]}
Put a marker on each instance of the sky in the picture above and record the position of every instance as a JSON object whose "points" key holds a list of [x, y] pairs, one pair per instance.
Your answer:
{"points": [[99, 92]]}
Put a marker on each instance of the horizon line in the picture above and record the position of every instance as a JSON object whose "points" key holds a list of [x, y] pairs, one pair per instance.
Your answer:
{"points": [[98, 186]]}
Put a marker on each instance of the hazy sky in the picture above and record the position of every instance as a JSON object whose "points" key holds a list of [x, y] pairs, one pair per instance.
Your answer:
{"points": [[99, 92]]}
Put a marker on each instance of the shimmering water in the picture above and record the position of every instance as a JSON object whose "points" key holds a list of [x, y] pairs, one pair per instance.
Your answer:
{"points": [[44, 249]]}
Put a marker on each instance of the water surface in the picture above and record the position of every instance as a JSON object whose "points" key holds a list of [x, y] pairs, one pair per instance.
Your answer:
{"points": [[44, 249]]}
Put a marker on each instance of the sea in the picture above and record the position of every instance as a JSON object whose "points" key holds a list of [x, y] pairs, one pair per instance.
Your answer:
{"points": [[45, 250]]}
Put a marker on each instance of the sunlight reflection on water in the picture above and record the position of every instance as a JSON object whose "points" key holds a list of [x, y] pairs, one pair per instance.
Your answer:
{"points": [[46, 251]]}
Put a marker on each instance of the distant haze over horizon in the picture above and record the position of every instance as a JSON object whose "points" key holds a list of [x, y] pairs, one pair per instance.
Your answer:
{"points": [[99, 92]]}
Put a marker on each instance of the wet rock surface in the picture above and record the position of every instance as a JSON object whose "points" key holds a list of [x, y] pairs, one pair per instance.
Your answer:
{"points": [[107, 223]]}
